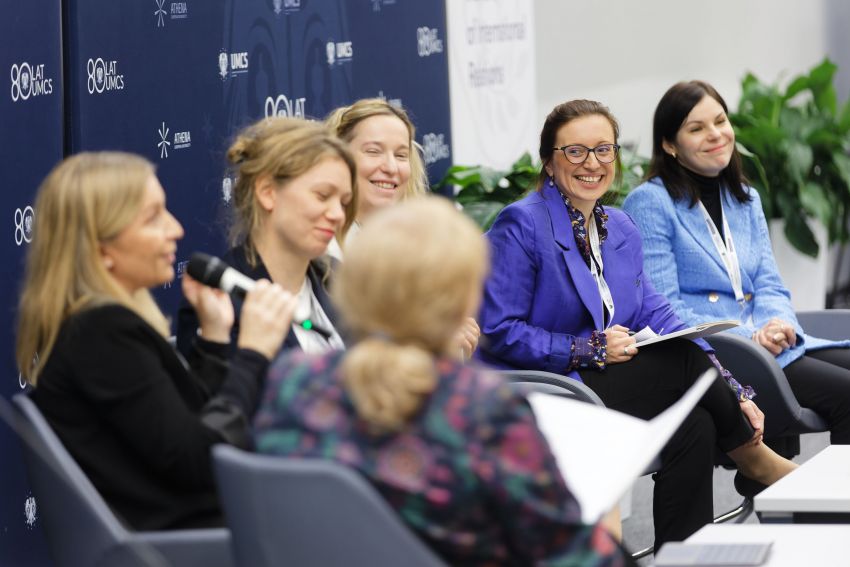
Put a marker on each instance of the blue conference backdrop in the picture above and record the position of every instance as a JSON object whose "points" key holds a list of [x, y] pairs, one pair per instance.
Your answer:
{"points": [[174, 81]]}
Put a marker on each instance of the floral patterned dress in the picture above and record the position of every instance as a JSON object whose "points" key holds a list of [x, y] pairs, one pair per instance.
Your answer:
{"points": [[471, 474]]}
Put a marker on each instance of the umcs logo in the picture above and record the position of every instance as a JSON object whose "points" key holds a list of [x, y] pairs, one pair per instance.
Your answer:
{"points": [[287, 6], [339, 52], [237, 61], [283, 106], [428, 41]]}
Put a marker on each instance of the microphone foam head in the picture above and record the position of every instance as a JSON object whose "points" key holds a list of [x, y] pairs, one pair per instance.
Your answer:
{"points": [[206, 269]]}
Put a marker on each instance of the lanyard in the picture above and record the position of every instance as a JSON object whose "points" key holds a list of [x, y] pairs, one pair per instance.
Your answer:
{"points": [[726, 250], [596, 270]]}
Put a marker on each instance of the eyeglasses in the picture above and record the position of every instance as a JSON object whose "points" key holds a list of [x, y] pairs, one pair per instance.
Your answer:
{"points": [[577, 153]]}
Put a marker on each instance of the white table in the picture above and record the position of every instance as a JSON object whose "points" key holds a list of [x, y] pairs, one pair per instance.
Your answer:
{"points": [[794, 545], [818, 491]]}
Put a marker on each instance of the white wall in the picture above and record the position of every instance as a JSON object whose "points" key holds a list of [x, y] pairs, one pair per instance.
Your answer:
{"points": [[626, 53]]}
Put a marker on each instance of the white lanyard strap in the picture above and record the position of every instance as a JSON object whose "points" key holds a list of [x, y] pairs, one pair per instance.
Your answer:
{"points": [[726, 249], [596, 270]]}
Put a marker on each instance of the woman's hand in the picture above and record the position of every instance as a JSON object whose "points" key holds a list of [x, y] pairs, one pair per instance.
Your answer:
{"points": [[776, 335], [621, 345], [466, 338], [756, 419], [266, 318], [213, 307]]}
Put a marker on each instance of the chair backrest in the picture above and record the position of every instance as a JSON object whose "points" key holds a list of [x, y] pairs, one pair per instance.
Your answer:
{"points": [[833, 324], [550, 383], [79, 525], [306, 512], [755, 365]]}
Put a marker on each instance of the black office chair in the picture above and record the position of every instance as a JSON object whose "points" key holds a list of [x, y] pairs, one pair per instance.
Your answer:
{"points": [[305, 512], [81, 530]]}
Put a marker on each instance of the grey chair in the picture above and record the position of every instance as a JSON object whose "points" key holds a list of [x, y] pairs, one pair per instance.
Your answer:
{"points": [[81, 529], [309, 512]]}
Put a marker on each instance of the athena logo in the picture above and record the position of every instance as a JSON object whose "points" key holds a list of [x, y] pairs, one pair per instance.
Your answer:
{"points": [[428, 41], [160, 13], [30, 511], [23, 225], [283, 106], [163, 141], [29, 80]]}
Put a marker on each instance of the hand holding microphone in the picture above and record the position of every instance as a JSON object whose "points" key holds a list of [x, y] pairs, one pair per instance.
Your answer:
{"points": [[266, 317]]}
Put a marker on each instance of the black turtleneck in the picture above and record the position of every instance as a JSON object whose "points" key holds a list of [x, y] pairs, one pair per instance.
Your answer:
{"points": [[709, 194]]}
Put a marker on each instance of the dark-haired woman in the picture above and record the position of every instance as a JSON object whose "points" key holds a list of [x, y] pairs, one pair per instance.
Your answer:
{"points": [[567, 285], [707, 248]]}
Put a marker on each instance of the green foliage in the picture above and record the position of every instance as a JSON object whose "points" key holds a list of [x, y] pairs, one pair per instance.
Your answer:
{"points": [[484, 191], [795, 148]]}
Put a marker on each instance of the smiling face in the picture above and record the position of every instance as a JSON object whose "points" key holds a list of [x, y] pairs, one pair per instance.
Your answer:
{"points": [[381, 148], [306, 212], [142, 255], [705, 141], [583, 184]]}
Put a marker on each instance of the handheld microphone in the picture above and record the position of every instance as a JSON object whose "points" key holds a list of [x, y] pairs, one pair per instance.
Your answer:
{"points": [[214, 272]]}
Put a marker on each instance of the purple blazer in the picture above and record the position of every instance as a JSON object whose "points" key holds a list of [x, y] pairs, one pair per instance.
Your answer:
{"points": [[540, 295]]}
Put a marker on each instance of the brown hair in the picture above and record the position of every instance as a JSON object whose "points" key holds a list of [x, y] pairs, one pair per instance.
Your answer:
{"points": [[405, 303], [563, 114], [284, 148]]}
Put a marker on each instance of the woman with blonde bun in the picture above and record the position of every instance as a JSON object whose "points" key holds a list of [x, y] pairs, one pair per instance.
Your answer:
{"points": [[295, 189], [451, 447], [91, 339]]}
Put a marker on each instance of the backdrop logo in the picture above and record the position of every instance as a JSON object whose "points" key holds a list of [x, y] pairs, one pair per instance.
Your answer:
{"points": [[29, 80], [24, 219], [236, 61], [396, 102], [226, 190], [428, 41], [30, 511], [176, 11], [286, 6], [434, 148], [179, 270], [284, 106], [103, 76], [378, 4], [339, 52], [181, 140]]}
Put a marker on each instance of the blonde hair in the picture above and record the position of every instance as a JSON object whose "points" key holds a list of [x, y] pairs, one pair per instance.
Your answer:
{"points": [[344, 120], [284, 148], [86, 200], [405, 303]]}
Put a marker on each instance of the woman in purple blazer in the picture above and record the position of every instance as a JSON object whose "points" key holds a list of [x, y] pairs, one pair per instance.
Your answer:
{"points": [[567, 287]]}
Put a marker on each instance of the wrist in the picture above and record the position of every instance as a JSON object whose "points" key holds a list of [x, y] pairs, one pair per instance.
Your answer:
{"points": [[214, 334]]}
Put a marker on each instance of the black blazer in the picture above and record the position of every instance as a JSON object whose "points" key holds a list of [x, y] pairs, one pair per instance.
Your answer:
{"points": [[187, 319]]}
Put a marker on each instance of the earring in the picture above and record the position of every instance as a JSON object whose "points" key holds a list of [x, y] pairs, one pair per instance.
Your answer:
{"points": [[551, 180], [673, 155], [108, 263]]}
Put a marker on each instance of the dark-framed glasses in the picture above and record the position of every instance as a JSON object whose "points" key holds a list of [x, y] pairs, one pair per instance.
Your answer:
{"points": [[577, 153]]}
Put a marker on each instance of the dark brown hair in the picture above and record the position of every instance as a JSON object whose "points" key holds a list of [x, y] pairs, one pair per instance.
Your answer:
{"points": [[670, 114], [562, 114]]}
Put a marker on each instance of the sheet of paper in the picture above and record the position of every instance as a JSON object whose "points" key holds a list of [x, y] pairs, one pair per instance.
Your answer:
{"points": [[601, 452], [694, 332]]}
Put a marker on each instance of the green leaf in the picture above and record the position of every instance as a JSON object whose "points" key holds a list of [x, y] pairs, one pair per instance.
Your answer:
{"points": [[797, 86], [799, 234], [799, 161], [483, 213], [523, 161], [844, 118], [842, 164], [815, 202]]}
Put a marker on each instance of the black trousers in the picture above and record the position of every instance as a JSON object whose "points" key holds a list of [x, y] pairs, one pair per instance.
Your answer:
{"points": [[683, 499], [820, 381]]}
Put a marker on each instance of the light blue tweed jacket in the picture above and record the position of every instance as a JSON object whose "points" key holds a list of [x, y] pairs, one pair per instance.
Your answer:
{"points": [[683, 264]]}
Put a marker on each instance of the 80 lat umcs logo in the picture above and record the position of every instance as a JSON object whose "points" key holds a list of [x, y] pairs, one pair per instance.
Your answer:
{"points": [[23, 225], [103, 76], [29, 80]]}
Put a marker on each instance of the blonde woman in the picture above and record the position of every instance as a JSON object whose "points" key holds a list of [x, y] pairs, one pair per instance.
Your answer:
{"points": [[295, 189], [390, 169], [451, 447], [94, 344]]}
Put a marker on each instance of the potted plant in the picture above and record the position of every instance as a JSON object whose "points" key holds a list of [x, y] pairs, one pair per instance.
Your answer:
{"points": [[795, 144]]}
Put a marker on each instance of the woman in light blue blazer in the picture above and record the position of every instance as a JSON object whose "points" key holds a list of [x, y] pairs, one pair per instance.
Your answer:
{"points": [[567, 286], [707, 249]]}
